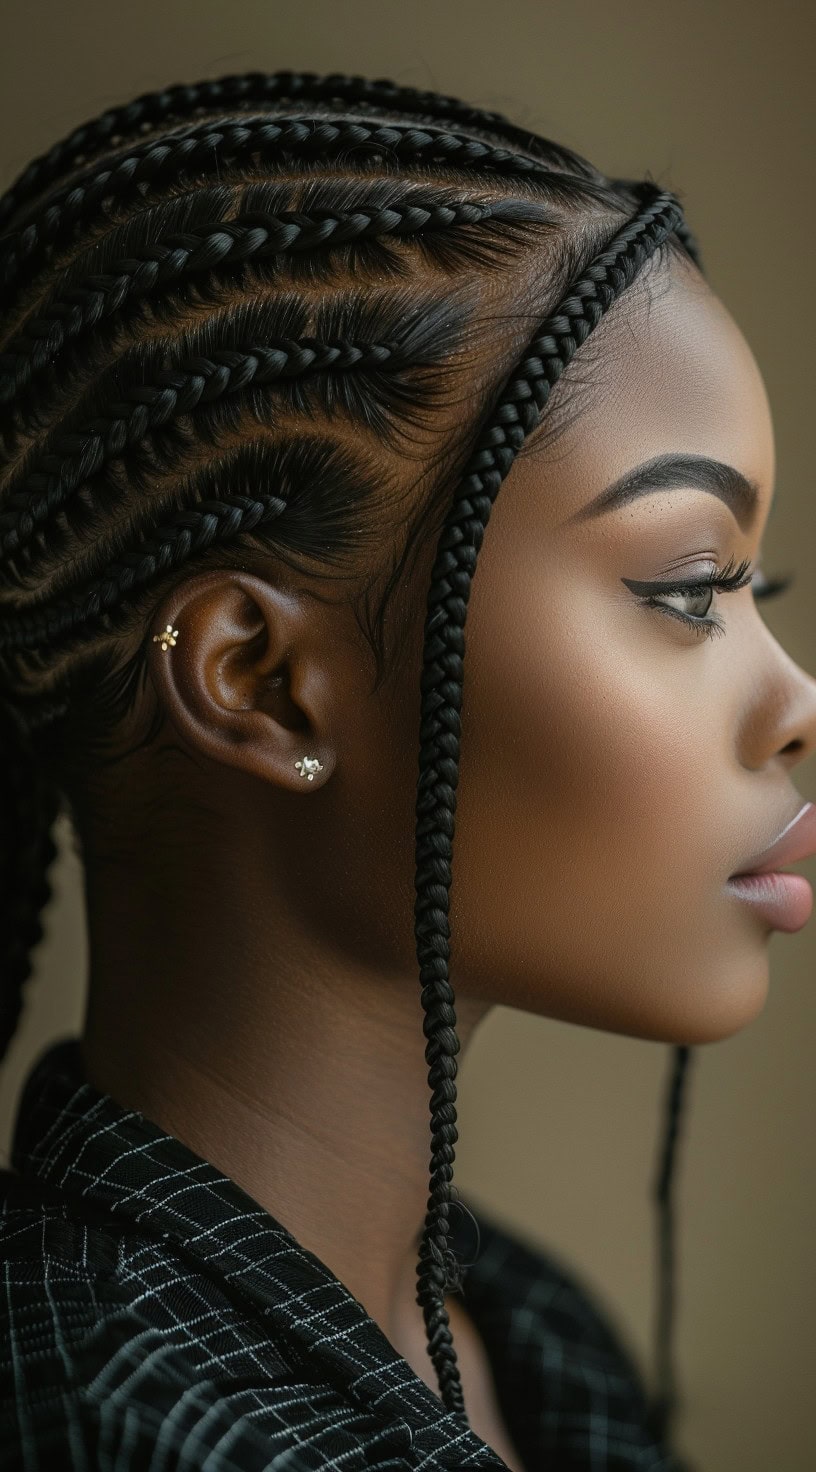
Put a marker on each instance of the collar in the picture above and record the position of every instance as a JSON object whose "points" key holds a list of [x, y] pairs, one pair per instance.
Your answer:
{"points": [[117, 1166]]}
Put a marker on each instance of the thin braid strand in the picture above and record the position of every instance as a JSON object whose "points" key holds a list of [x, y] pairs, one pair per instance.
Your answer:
{"points": [[516, 413], [665, 1395]]}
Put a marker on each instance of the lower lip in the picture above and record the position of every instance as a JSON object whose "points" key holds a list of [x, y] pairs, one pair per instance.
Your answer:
{"points": [[784, 900]]}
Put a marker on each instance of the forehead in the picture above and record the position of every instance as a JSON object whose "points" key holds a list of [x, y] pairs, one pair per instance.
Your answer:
{"points": [[667, 370]]}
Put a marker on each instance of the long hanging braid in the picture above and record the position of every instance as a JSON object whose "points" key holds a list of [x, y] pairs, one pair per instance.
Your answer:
{"points": [[127, 350]]}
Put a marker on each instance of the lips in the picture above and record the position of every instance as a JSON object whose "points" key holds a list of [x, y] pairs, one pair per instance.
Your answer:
{"points": [[796, 841]]}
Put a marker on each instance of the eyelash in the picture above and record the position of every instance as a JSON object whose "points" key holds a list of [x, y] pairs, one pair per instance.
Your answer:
{"points": [[722, 580]]}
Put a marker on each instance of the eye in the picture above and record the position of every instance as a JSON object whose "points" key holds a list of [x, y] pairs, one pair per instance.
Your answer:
{"points": [[725, 580]]}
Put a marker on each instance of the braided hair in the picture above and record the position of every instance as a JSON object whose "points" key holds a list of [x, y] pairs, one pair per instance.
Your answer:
{"points": [[173, 393]]}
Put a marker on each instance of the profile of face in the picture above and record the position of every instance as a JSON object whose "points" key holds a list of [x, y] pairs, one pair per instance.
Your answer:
{"points": [[616, 764]]}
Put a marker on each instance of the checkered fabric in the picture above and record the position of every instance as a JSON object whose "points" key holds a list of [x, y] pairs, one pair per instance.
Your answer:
{"points": [[158, 1319]]}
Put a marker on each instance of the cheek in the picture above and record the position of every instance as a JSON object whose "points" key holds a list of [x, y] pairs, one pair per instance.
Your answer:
{"points": [[585, 859], [566, 730]]}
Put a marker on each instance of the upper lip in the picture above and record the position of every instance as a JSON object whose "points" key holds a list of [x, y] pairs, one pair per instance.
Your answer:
{"points": [[796, 841]]}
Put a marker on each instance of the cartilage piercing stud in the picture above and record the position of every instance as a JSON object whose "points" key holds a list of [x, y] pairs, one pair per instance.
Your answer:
{"points": [[167, 637]]}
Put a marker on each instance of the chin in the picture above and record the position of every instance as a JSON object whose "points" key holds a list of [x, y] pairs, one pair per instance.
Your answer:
{"points": [[719, 1005], [731, 1004]]}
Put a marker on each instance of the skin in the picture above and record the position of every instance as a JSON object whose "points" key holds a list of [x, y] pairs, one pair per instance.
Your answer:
{"points": [[253, 980]]}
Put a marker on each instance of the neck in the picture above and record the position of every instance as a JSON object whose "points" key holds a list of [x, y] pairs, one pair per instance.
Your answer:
{"points": [[303, 1080]]}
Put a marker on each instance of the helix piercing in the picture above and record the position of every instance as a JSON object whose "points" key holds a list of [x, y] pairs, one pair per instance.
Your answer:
{"points": [[166, 637], [307, 766]]}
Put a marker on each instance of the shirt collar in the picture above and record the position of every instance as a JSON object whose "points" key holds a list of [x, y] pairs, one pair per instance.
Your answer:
{"points": [[120, 1166]]}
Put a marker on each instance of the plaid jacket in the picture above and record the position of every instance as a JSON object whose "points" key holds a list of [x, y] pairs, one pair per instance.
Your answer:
{"points": [[155, 1316]]}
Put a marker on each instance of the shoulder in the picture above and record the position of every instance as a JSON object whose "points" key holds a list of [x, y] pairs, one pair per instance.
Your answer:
{"points": [[541, 1285], [128, 1402], [560, 1355], [113, 1351]]}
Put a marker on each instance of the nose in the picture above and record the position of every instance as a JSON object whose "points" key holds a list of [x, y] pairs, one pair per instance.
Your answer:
{"points": [[783, 719]]}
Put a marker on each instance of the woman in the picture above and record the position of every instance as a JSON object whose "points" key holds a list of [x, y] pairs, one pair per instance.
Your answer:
{"points": [[271, 345]]}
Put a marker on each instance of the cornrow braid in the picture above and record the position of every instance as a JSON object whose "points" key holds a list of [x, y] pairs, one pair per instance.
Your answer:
{"points": [[73, 458], [172, 259], [154, 356], [254, 89], [148, 166]]}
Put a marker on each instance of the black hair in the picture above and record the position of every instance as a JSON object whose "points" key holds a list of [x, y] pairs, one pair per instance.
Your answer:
{"points": [[217, 302]]}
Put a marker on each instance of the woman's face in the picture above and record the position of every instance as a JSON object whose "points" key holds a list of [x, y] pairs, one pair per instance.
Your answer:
{"points": [[616, 766]]}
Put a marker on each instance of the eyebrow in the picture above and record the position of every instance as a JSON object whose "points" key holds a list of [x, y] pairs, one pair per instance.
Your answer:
{"points": [[673, 472]]}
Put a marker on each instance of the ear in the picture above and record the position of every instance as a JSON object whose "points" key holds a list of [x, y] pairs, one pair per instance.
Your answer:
{"points": [[245, 682]]}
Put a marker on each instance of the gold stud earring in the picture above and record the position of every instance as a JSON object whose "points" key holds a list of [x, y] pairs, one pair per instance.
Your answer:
{"points": [[307, 766], [166, 637]]}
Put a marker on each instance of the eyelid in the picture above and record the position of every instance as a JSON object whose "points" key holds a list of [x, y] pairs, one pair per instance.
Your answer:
{"points": [[724, 580], [766, 588]]}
